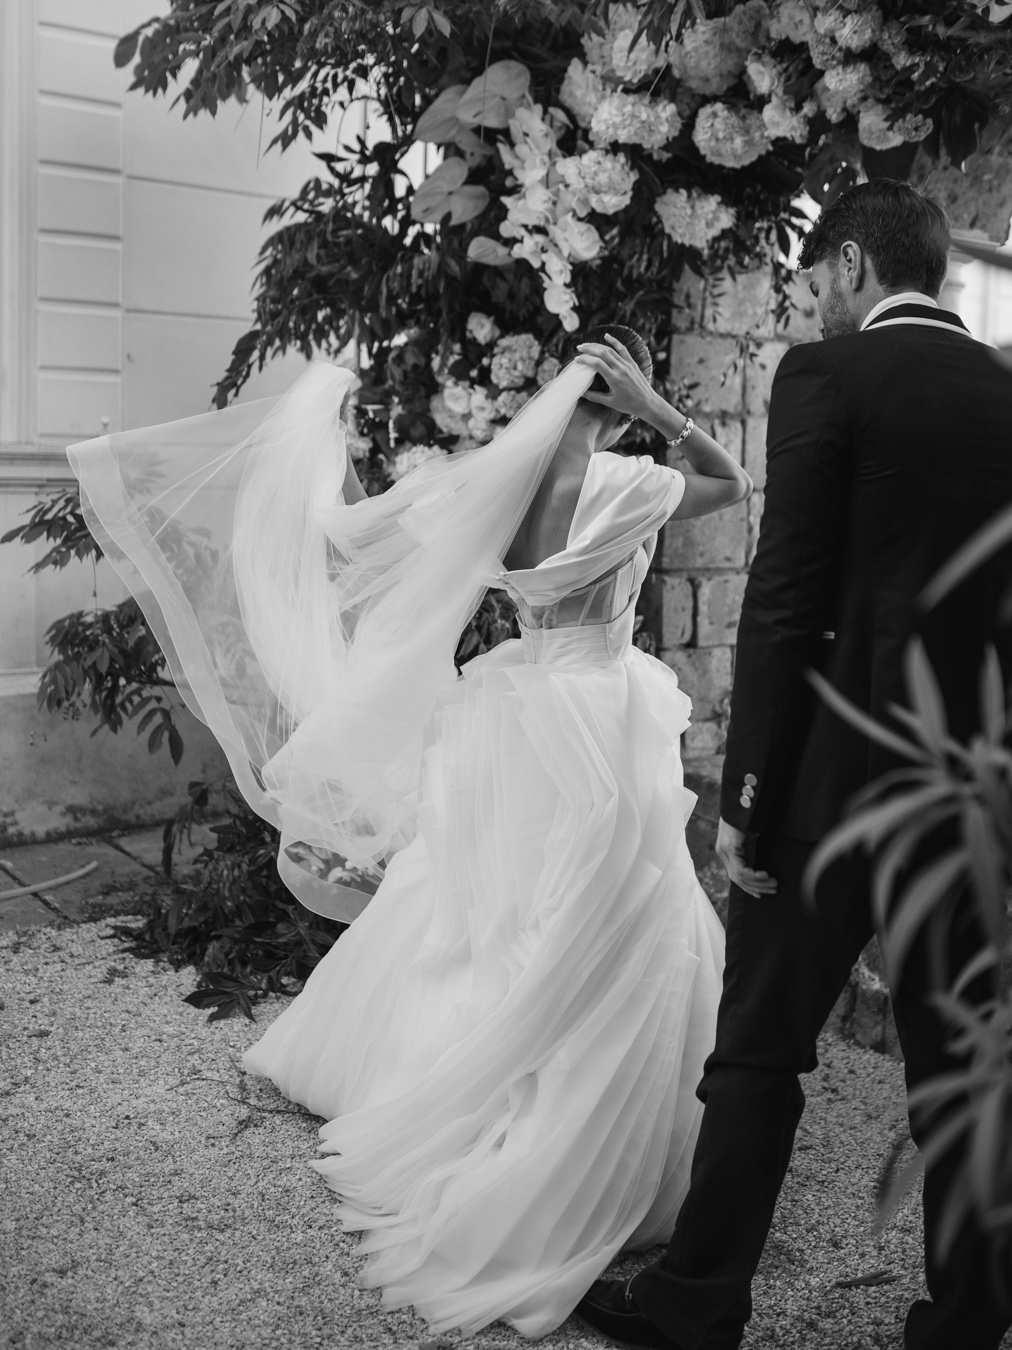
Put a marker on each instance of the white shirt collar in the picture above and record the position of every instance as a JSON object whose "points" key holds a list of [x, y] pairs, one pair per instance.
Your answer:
{"points": [[904, 298]]}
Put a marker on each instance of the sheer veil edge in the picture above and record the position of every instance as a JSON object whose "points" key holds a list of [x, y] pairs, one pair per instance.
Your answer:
{"points": [[313, 637]]}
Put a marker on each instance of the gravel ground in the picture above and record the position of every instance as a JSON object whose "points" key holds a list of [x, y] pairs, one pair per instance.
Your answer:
{"points": [[152, 1196]]}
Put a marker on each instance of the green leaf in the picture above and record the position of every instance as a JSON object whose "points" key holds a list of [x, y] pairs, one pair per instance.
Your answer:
{"points": [[925, 696], [976, 551], [861, 721], [126, 49], [916, 905], [993, 715]]}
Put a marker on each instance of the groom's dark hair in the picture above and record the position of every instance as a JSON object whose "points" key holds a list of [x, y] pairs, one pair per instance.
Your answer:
{"points": [[903, 232]]}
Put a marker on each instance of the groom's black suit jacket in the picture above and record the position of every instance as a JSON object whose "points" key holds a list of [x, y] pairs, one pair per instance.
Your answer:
{"points": [[886, 450]]}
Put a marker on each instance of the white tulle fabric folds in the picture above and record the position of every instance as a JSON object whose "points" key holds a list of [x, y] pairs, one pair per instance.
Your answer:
{"points": [[313, 637], [506, 1044]]}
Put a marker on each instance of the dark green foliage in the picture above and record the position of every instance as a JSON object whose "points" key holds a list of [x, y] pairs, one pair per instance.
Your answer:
{"points": [[237, 923], [969, 787]]}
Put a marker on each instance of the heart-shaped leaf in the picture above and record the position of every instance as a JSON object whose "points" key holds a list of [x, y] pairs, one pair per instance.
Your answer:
{"points": [[481, 249], [438, 123], [493, 97]]}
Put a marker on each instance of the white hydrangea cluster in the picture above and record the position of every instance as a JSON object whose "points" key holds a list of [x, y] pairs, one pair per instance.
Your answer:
{"points": [[913, 127], [843, 89], [852, 30], [410, 458], [635, 119], [615, 53], [515, 360], [784, 123], [893, 42], [730, 136], [482, 415], [706, 58], [482, 328], [598, 181], [693, 218], [791, 21], [582, 90], [509, 403]]}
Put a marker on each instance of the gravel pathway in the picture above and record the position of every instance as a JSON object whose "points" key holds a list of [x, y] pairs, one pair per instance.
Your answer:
{"points": [[151, 1196]]}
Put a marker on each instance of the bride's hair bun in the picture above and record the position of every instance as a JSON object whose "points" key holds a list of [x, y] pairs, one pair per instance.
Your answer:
{"points": [[629, 338]]}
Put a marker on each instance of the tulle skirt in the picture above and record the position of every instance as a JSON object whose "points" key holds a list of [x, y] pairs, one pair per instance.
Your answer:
{"points": [[506, 1044]]}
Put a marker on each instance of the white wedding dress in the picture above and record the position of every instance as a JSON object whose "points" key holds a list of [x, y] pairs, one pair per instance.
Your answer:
{"points": [[506, 1044]]}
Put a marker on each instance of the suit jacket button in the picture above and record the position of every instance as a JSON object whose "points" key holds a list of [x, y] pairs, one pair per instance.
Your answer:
{"points": [[751, 780], [745, 801]]}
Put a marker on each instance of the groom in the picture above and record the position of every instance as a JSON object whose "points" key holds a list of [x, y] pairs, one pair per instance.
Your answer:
{"points": [[890, 444]]}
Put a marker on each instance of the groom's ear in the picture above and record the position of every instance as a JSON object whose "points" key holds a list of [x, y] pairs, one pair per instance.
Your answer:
{"points": [[852, 267]]}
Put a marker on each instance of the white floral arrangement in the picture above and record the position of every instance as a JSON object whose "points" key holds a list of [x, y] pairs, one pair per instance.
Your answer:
{"points": [[409, 458], [669, 120]]}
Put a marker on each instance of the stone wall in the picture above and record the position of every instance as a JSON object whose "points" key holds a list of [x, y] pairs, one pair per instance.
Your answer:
{"points": [[702, 565]]}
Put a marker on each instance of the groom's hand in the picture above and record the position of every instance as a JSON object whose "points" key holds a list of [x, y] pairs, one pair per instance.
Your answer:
{"points": [[731, 852]]}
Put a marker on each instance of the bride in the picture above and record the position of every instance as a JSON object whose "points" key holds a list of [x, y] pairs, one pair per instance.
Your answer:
{"points": [[506, 1042]]}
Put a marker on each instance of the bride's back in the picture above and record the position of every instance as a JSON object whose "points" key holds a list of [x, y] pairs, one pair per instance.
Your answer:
{"points": [[544, 530]]}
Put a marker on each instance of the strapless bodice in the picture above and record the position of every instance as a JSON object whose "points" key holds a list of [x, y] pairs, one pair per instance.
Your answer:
{"points": [[590, 625]]}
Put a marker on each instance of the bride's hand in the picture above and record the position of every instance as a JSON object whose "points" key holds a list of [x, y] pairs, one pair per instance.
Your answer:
{"points": [[629, 390]]}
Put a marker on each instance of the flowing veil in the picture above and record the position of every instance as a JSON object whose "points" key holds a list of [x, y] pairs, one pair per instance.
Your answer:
{"points": [[313, 637]]}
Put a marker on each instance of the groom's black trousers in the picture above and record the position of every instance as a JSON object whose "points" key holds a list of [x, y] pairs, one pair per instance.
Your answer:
{"points": [[787, 963]]}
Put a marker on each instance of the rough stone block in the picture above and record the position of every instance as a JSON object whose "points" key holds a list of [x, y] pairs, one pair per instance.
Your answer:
{"points": [[704, 673], [759, 372], [740, 305], [755, 513], [718, 540], [687, 303], [718, 606], [703, 739], [677, 611], [754, 457], [711, 366]]}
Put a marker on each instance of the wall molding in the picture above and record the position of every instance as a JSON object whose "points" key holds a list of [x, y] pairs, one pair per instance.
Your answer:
{"points": [[17, 222]]}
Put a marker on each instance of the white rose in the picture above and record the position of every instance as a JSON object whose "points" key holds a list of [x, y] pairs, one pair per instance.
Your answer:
{"points": [[763, 73], [482, 328], [482, 405], [875, 129], [457, 396], [449, 423]]}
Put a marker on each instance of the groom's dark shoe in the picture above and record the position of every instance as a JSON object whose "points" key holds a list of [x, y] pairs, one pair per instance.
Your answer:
{"points": [[609, 1308]]}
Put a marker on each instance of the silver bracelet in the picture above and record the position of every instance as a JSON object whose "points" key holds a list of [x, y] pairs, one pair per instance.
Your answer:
{"points": [[683, 435]]}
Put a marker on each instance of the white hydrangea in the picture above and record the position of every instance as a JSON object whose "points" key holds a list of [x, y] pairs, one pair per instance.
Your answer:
{"points": [[893, 42], [763, 73], [634, 119], [784, 123], [601, 180], [693, 218], [457, 397], [482, 328], [843, 89], [582, 90], [449, 423], [791, 21], [875, 128], [707, 58], [515, 360], [825, 51], [509, 403], [614, 52], [410, 458], [733, 137], [913, 127], [749, 24], [547, 370], [854, 31]]}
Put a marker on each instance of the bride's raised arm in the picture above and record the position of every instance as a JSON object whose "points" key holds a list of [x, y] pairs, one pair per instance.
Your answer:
{"points": [[715, 479]]}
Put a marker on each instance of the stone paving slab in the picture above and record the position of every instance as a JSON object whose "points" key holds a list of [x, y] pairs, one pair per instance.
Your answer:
{"points": [[146, 847], [115, 873]]}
